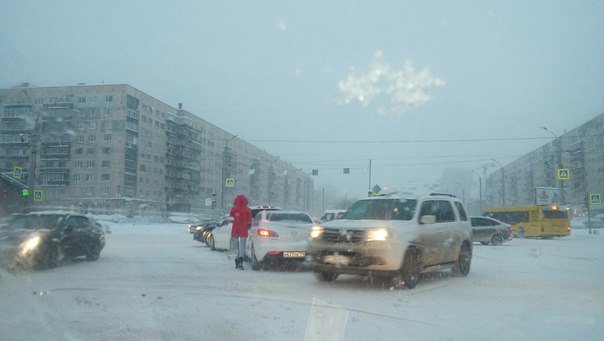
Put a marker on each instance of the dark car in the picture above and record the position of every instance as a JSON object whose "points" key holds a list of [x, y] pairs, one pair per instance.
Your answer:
{"points": [[42, 240], [488, 230], [202, 230]]}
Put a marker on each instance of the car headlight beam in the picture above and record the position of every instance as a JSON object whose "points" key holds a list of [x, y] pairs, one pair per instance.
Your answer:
{"points": [[380, 234], [30, 244], [316, 232]]}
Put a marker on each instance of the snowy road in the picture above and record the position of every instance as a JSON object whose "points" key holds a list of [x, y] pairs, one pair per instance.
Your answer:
{"points": [[153, 282]]}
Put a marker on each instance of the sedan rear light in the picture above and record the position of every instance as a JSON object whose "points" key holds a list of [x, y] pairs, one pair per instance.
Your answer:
{"points": [[267, 233], [509, 228]]}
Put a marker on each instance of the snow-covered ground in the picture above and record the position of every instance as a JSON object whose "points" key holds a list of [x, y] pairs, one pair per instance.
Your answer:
{"points": [[154, 282]]}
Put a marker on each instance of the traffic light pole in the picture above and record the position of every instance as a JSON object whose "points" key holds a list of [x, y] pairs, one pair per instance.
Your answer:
{"points": [[33, 139], [587, 204]]}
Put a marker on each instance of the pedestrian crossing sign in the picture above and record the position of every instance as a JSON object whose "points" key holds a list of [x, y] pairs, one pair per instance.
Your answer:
{"points": [[563, 174], [17, 172]]}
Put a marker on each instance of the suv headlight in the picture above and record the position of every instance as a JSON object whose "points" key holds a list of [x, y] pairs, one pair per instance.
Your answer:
{"points": [[316, 232], [380, 234]]}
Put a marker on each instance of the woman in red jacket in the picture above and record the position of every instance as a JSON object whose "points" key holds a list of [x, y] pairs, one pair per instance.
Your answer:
{"points": [[242, 218]]}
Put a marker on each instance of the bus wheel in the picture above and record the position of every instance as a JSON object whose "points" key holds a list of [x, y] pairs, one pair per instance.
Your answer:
{"points": [[521, 233]]}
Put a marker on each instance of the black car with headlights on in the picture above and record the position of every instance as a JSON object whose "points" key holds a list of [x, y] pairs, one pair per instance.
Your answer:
{"points": [[42, 240]]}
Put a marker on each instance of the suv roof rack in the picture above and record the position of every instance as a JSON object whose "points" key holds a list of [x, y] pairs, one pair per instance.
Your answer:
{"points": [[445, 194]]}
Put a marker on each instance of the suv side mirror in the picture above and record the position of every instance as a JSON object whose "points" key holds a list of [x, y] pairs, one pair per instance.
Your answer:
{"points": [[427, 219]]}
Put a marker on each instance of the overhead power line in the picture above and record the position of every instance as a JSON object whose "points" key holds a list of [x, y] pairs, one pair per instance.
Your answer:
{"points": [[404, 141]]}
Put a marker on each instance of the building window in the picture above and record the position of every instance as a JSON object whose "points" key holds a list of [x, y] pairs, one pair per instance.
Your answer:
{"points": [[105, 177], [81, 99], [93, 125], [106, 150], [81, 125], [90, 164], [89, 151], [89, 177], [105, 190], [107, 125], [108, 98], [79, 164], [79, 151], [89, 191], [77, 177], [91, 138], [107, 137], [105, 164]]}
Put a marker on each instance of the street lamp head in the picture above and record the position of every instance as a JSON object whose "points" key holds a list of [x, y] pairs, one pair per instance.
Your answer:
{"points": [[549, 131]]}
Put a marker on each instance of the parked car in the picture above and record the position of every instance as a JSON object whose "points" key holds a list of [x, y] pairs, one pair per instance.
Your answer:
{"points": [[201, 229], [220, 236], [42, 240], [278, 236], [393, 238], [488, 230]]}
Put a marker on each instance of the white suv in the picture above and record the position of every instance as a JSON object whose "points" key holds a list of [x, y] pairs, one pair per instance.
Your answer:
{"points": [[394, 237]]}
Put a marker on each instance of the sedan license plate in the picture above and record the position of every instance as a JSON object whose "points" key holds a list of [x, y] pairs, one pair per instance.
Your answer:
{"points": [[336, 259], [294, 254]]}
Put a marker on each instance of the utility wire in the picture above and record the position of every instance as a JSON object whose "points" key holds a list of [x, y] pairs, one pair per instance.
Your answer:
{"points": [[403, 141]]}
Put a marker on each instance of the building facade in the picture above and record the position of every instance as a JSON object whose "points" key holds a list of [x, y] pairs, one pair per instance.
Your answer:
{"points": [[577, 155], [107, 148]]}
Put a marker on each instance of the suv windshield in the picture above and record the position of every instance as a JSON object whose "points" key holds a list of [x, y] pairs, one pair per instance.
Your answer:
{"points": [[382, 209]]}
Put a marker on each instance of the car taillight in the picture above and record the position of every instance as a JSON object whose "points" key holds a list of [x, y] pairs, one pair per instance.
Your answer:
{"points": [[509, 228], [267, 233]]}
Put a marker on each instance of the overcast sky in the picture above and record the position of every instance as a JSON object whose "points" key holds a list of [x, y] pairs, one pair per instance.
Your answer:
{"points": [[332, 84]]}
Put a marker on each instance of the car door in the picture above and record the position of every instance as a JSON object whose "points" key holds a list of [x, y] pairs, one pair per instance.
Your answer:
{"points": [[483, 230], [75, 231], [435, 239]]}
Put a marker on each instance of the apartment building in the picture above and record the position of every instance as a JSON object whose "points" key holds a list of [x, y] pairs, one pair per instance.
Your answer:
{"points": [[102, 148], [580, 151]]}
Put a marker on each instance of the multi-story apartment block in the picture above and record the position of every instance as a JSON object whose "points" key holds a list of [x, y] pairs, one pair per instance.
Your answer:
{"points": [[580, 151], [104, 148]]}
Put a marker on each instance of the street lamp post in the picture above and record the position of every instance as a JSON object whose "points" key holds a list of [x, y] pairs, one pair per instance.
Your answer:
{"points": [[223, 176], [556, 144], [502, 182], [479, 189]]}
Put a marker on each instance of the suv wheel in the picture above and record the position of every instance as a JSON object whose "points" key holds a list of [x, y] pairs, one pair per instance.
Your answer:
{"points": [[326, 276], [410, 269], [462, 265]]}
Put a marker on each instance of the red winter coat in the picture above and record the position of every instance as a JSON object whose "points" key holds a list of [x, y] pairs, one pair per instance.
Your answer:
{"points": [[242, 216]]}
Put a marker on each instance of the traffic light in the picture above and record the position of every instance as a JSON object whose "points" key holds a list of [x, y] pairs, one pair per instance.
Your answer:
{"points": [[25, 193], [586, 201]]}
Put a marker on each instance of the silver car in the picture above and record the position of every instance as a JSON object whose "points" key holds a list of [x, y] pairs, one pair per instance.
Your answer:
{"points": [[487, 231]]}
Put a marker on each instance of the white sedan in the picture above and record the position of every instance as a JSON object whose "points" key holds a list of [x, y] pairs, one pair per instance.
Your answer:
{"points": [[220, 237], [278, 236]]}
